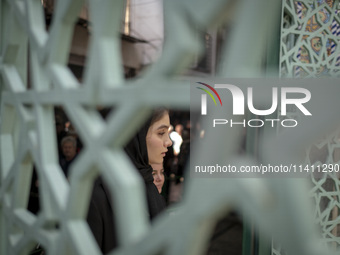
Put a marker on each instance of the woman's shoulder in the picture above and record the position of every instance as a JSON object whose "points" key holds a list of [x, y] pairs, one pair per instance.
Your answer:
{"points": [[100, 195]]}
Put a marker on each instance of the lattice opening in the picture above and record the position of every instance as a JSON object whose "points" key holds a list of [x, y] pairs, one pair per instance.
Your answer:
{"points": [[331, 49], [38, 250], [335, 232], [301, 9], [322, 71], [303, 55], [325, 200], [323, 16], [69, 142], [34, 201], [287, 21], [290, 40], [317, 153], [316, 45]]}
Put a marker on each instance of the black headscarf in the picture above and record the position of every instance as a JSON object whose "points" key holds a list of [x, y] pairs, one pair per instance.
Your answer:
{"points": [[137, 151]]}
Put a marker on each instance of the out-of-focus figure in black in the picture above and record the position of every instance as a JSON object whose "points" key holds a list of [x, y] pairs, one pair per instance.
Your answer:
{"points": [[69, 153]]}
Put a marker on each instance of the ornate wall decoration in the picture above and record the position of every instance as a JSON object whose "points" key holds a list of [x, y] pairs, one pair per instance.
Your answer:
{"points": [[310, 38], [310, 48]]}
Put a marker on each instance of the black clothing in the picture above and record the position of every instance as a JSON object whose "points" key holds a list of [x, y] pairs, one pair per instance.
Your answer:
{"points": [[33, 202], [100, 217], [65, 165], [60, 136], [227, 236], [137, 151]]}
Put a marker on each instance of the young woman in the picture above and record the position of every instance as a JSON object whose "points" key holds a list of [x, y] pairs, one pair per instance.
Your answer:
{"points": [[148, 146]]}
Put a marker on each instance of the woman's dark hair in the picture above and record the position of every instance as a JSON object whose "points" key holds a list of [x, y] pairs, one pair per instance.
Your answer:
{"points": [[157, 114]]}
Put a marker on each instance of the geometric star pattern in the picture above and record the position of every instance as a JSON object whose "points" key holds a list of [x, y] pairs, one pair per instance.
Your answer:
{"points": [[310, 37], [35, 78]]}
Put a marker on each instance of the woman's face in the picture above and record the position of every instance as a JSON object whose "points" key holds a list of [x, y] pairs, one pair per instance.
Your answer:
{"points": [[158, 176], [157, 140]]}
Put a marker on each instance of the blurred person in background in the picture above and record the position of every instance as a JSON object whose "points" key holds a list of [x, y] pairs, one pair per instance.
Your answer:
{"points": [[158, 175], [69, 153]]}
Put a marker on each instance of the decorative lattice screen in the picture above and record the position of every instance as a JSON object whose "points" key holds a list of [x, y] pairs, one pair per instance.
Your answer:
{"points": [[310, 48], [35, 78]]}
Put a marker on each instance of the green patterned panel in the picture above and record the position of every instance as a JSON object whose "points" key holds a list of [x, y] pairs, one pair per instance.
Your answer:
{"points": [[310, 40]]}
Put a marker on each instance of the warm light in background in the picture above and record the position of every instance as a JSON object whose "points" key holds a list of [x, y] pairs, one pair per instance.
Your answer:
{"points": [[127, 18]]}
